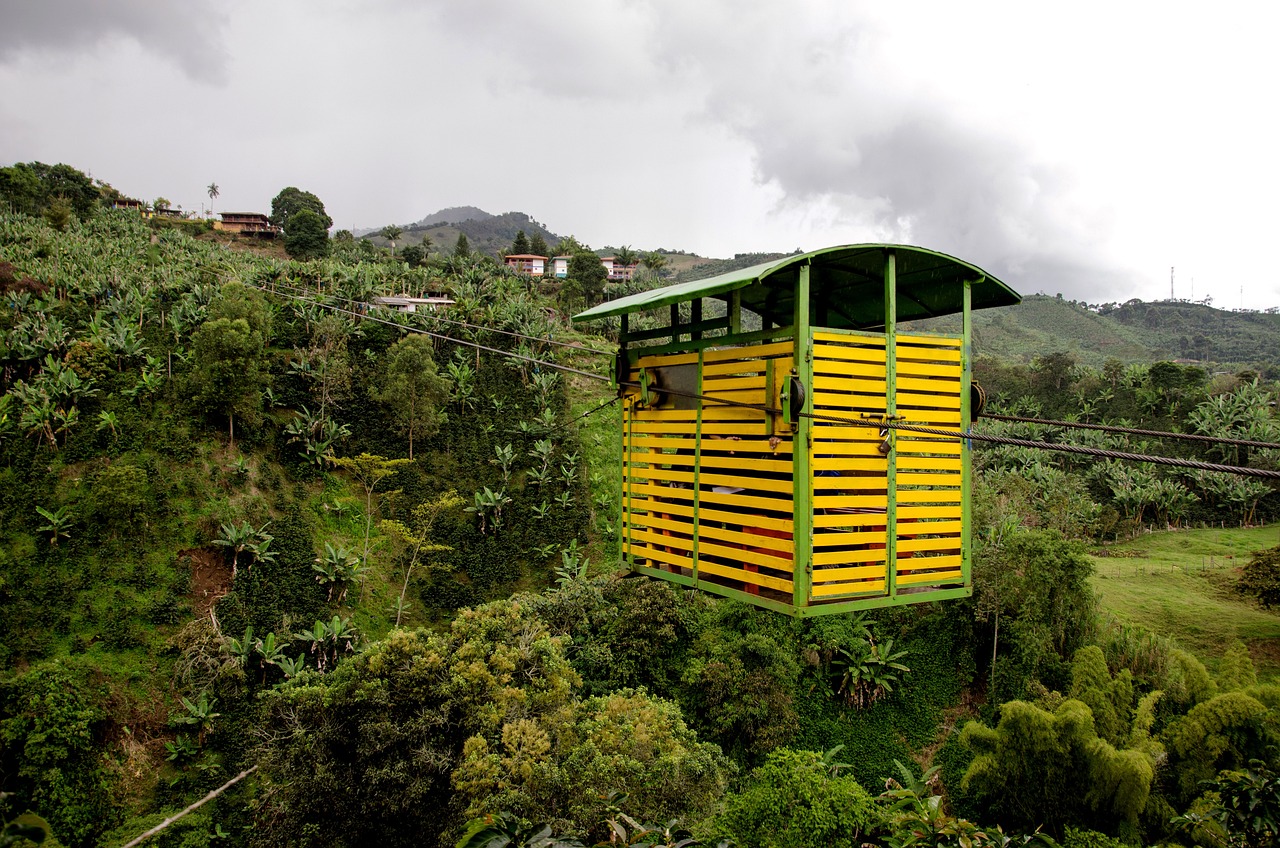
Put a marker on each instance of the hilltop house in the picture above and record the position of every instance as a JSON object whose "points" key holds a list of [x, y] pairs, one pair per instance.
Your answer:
{"points": [[558, 266], [527, 263], [405, 303], [247, 223]]}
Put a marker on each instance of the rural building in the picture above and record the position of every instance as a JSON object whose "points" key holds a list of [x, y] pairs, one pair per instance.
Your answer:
{"points": [[618, 271], [405, 303], [247, 223], [527, 263]]}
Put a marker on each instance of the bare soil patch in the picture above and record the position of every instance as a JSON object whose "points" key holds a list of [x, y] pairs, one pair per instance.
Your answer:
{"points": [[210, 578]]}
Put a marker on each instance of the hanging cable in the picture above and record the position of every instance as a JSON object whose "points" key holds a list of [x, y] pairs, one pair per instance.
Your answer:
{"points": [[1131, 431], [876, 422], [434, 317]]}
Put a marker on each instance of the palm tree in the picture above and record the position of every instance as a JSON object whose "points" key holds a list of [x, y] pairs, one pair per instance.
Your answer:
{"points": [[213, 193], [391, 233]]}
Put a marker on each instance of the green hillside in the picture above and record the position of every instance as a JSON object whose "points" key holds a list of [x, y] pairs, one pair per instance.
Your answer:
{"points": [[349, 577]]}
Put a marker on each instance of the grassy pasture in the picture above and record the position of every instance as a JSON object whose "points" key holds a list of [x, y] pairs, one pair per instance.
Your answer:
{"points": [[1179, 584]]}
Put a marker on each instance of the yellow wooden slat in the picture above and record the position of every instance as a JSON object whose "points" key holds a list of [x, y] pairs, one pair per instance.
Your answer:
{"points": [[737, 554], [747, 417], [861, 572], [750, 484], [923, 447], [929, 385], [850, 501], [749, 466], [828, 356], [868, 587], [934, 563], [714, 396], [934, 401], [662, 359], [835, 369], [834, 523], [661, 555], [751, 577], [941, 577], [928, 463], [833, 538], [929, 496], [728, 384], [846, 557], [871, 463], [733, 535], [760, 350], [929, 369], [707, 515], [863, 448]]}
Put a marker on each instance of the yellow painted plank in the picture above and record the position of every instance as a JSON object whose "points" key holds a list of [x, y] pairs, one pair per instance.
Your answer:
{"points": [[672, 415], [662, 359], [868, 587], [736, 383], [861, 572], [736, 554], [914, 446], [847, 557], [749, 466], [863, 356], [660, 555], [841, 526], [929, 384], [932, 563], [759, 350], [709, 516], [929, 338], [835, 369], [932, 401], [750, 484], [876, 463], [752, 577], [929, 369], [928, 463], [928, 496]]}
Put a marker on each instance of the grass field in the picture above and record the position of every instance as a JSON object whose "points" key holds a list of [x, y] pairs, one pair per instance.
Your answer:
{"points": [[1178, 584]]}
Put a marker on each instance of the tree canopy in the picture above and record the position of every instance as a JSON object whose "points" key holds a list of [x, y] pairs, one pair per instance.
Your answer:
{"points": [[291, 201], [307, 236]]}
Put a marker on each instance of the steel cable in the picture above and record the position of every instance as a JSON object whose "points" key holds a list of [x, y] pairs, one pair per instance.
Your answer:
{"points": [[1111, 428], [877, 422]]}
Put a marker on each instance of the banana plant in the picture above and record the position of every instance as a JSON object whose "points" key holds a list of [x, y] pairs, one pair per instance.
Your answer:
{"points": [[57, 523]]}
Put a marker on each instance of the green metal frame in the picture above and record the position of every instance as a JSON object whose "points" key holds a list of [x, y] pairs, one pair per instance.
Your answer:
{"points": [[688, 338]]}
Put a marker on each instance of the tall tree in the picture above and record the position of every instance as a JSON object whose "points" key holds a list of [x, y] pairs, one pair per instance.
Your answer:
{"points": [[391, 233], [654, 261], [625, 256], [214, 193], [462, 248], [587, 276], [228, 376], [307, 236], [292, 200], [538, 245], [521, 244], [412, 388]]}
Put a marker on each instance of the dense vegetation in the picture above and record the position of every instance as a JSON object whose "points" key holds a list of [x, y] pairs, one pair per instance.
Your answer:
{"points": [[239, 530]]}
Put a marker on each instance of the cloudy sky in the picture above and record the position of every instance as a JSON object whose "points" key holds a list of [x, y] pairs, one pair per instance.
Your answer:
{"points": [[1082, 148]]}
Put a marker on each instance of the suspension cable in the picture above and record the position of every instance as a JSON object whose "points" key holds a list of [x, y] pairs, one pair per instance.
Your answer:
{"points": [[876, 422], [1109, 428], [435, 317]]}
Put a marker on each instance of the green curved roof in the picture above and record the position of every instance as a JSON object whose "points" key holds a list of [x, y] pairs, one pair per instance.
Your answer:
{"points": [[846, 287]]}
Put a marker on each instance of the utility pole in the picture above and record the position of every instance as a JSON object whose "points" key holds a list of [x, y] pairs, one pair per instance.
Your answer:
{"points": [[1170, 282]]}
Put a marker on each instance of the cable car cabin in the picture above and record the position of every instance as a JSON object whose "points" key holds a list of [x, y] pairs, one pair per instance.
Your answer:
{"points": [[754, 460]]}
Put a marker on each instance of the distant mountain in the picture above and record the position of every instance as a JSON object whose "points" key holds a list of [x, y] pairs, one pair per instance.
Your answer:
{"points": [[1133, 332], [486, 233], [454, 215]]}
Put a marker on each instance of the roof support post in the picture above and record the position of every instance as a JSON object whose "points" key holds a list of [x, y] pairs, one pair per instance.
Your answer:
{"points": [[695, 309], [966, 447], [891, 410], [735, 312], [802, 450]]}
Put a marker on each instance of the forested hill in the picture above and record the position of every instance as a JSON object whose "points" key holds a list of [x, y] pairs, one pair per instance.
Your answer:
{"points": [[486, 234], [1133, 332], [252, 526]]}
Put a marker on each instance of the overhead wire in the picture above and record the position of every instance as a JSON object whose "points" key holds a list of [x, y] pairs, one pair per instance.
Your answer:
{"points": [[434, 317], [1133, 431], [877, 422]]}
